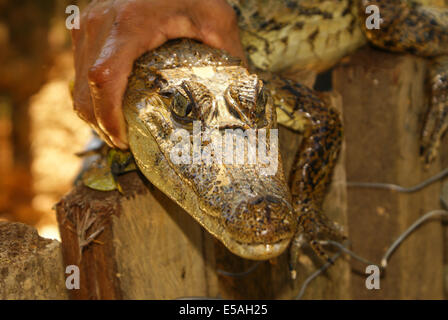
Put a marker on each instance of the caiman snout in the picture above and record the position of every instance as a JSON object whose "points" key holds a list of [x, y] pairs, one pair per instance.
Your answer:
{"points": [[261, 220]]}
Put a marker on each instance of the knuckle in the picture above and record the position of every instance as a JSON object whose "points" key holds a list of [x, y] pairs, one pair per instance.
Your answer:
{"points": [[98, 75]]}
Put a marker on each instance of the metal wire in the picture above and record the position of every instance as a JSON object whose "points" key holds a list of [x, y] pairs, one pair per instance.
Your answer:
{"points": [[405, 234], [316, 274], [384, 261], [389, 186], [239, 274], [347, 250]]}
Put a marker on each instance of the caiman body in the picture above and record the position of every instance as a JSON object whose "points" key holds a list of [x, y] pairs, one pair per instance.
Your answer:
{"points": [[296, 35], [254, 214]]}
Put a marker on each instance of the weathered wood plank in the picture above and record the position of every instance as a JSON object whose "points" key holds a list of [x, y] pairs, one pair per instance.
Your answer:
{"points": [[149, 249], [384, 99]]}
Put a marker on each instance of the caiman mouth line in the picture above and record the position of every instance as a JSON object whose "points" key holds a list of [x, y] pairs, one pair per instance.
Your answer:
{"points": [[253, 251]]}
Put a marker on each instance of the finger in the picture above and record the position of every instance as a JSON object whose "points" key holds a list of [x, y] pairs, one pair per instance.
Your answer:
{"points": [[108, 77], [230, 43], [107, 80], [86, 45], [107, 83], [218, 25], [82, 104]]}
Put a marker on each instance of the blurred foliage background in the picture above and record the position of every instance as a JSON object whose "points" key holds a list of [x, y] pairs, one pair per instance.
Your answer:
{"points": [[39, 132]]}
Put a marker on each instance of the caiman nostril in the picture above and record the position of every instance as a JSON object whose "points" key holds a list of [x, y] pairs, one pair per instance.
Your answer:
{"points": [[264, 205], [269, 199], [273, 199], [261, 219]]}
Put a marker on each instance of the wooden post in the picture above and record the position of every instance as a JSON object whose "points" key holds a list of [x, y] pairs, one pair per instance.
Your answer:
{"points": [[384, 100], [149, 248]]}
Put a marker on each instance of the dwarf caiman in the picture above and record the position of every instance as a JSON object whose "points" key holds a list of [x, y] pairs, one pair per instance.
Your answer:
{"points": [[256, 215]]}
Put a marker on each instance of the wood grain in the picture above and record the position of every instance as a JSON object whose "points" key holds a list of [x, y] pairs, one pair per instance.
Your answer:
{"points": [[384, 100]]}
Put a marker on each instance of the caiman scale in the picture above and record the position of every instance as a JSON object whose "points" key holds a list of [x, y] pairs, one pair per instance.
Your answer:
{"points": [[256, 215]]}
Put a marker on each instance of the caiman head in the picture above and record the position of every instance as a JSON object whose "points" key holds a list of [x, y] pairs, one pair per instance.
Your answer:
{"points": [[198, 126]]}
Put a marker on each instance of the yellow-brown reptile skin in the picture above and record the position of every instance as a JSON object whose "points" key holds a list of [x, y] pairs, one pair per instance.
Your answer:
{"points": [[314, 162], [409, 27], [249, 212], [291, 36]]}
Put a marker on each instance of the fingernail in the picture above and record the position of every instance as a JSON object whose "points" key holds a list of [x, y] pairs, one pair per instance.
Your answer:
{"points": [[119, 143]]}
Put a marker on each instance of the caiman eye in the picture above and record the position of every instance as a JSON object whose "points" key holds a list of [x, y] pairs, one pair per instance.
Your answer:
{"points": [[232, 105], [262, 100], [181, 107]]}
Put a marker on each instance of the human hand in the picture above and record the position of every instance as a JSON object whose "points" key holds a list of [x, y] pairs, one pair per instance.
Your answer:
{"points": [[114, 33]]}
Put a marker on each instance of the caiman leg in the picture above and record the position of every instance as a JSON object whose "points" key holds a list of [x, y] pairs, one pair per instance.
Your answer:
{"points": [[437, 118], [300, 109], [421, 30]]}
